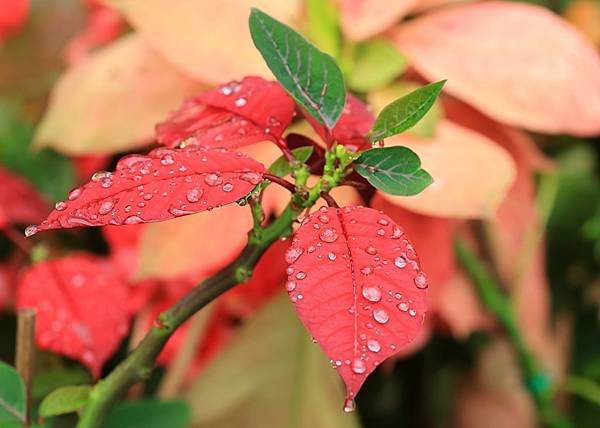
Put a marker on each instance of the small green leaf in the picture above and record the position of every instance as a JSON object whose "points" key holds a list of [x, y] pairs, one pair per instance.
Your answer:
{"points": [[12, 395], [393, 170], [376, 63], [310, 76], [405, 112], [281, 167], [149, 414], [64, 400], [323, 26]]}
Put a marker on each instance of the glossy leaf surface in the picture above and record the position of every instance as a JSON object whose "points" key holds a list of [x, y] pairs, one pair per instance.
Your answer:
{"points": [[165, 184], [357, 285]]}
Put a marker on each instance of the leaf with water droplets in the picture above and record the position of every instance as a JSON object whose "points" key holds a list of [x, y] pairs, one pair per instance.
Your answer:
{"points": [[235, 114], [405, 112], [310, 76], [357, 285], [81, 307], [352, 127], [394, 170], [165, 184], [19, 201]]}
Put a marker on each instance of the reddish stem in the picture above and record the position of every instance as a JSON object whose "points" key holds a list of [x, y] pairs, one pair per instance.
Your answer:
{"points": [[329, 199], [281, 181]]}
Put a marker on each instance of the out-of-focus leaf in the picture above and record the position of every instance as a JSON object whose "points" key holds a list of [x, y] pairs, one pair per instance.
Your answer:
{"points": [[53, 373], [19, 202], [457, 159], [12, 16], [64, 400], [376, 63], [310, 76], [270, 377], [12, 396], [518, 63], [50, 172], [362, 19], [149, 414], [585, 15], [281, 166], [209, 43], [323, 26], [110, 101], [424, 128]]}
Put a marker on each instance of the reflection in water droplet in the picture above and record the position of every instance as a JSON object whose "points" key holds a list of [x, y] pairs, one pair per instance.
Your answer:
{"points": [[372, 294], [31, 230], [381, 316], [328, 235], [101, 175], [373, 345], [400, 262], [359, 366], [60, 206]]}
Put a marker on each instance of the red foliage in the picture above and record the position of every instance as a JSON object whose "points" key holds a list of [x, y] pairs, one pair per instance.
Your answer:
{"points": [[357, 285], [167, 183], [232, 115], [81, 306], [13, 14], [19, 202]]}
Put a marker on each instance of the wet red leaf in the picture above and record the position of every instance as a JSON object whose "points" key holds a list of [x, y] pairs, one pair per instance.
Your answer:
{"points": [[350, 130], [232, 115], [165, 184], [357, 286], [81, 307], [19, 201]]}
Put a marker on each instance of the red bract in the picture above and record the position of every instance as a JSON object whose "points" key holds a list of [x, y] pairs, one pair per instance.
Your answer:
{"points": [[13, 14], [233, 115], [350, 130], [81, 307], [19, 202], [358, 288], [165, 184]]}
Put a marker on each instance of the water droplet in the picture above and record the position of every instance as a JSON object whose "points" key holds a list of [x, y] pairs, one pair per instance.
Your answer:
{"points": [[324, 218], [359, 366], [226, 90], [134, 219], [373, 345], [300, 297], [31, 230], [338, 363], [251, 177], [106, 207], [372, 294], [403, 306], [421, 280], [193, 195], [412, 313], [106, 183], [329, 235], [240, 102], [60, 206], [400, 262], [213, 179], [383, 222], [290, 285], [380, 232], [367, 270], [381, 316], [331, 256], [300, 275], [397, 232], [101, 175], [227, 187], [292, 254], [167, 160], [74, 194], [349, 405], [371, 250]]}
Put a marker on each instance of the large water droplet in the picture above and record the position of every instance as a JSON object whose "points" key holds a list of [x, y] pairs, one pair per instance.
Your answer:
{"points": [[329, 235], [359, 366], [60, 206], [292, 254], [349, 405], [134, 219], [400, 262], [403, 306], [106, 207], [290, 285], [101, 175], [74, 194], [372, 294], [194, 195], [421, 280], [213, 179], [31, 230], [227, 187], [374, 345], [381, 316]]}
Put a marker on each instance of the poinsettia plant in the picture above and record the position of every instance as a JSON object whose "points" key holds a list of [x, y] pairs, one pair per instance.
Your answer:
{"points": [[353, 275]]}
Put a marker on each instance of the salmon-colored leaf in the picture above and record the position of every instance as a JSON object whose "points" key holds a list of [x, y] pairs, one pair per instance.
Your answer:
{"points": [[357, 285], [362, 19], [81, 307], [352, 127], [233, 115], [19, 202], [518, 63], [166, 183]]}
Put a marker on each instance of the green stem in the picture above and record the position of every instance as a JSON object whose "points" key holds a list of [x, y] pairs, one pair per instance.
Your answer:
{"points": [[537, 381], [138, 365]]}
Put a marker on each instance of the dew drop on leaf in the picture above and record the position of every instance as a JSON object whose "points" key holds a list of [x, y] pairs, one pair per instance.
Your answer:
{"points": [[421, 280], [31, 230], [381, 316], [292, 254], [329, 235], [359, 366], [372, 294], [374, 345], [400, 262]]}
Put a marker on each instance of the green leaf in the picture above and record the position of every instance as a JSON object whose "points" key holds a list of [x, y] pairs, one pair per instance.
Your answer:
{"points": [[270, 377], [405, 112], [64, 400], [50, 172], [12, 395], [393, 170], [323, 26], [281, 167], [310, 76], [149, 414], [376, 63]]}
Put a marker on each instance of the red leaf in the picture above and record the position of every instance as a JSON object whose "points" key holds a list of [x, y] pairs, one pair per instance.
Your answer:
{"points": [[13, 14], [354, 123], [165, 184], [233, 115], [19, 202], [358, 288], [81, 307]]}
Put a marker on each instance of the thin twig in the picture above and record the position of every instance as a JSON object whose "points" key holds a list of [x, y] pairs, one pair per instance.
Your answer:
{"points": [[329, 199], [281, 181]]}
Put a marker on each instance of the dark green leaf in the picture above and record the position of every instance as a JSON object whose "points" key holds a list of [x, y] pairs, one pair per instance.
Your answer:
{"points": [[393, 170], [64, 400], [149, 414], [281, 166], [405, 112], [376, 63], [12, 395], [310, 76]]}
